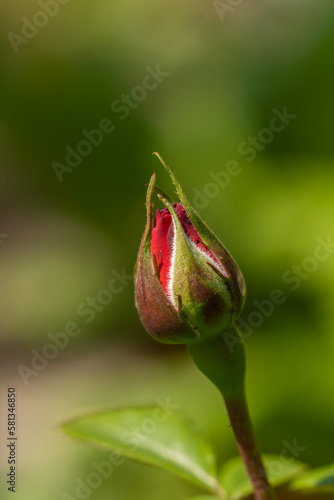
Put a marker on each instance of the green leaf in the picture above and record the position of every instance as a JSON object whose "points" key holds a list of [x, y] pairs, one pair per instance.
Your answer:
{"points": [[154, 436], [235, 481], [316, 480]]}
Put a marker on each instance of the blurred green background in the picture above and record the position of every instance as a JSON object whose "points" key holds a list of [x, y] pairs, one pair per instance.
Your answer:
{"points": [[223, 74]]}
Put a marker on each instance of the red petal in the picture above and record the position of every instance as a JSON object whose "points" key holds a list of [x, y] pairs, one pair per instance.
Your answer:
{"points": [[161, 243], [162, 240]]}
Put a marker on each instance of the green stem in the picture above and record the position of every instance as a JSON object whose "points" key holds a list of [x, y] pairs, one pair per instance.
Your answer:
{"points": [[222, 359]]}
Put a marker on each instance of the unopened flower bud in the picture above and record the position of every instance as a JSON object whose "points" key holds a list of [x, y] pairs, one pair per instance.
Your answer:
{"points": [[187, 285]]}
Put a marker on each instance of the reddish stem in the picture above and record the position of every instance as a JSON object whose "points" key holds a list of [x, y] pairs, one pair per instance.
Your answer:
{"points": [[240, 421]]}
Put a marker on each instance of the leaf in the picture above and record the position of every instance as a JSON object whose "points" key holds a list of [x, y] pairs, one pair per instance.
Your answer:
{"points": [[154, 436], [316, 480], [235, 481]]}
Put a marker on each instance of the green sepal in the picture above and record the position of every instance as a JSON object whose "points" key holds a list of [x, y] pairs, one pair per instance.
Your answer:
{"points": [[228, 264], [157, 313], [206, 296]]}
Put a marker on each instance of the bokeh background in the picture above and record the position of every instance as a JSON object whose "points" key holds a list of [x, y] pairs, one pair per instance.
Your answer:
{"points": [[224, 72]]}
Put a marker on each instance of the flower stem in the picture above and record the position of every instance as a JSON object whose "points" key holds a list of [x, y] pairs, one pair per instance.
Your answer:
{"points": [[222, 359], [242, 428]]}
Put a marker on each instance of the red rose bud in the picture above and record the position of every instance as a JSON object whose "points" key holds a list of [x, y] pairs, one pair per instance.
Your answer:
{"points": [[187, 285]]}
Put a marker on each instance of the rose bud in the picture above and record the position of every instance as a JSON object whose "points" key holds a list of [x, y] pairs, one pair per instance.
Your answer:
{"points": [[187, 285]]}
